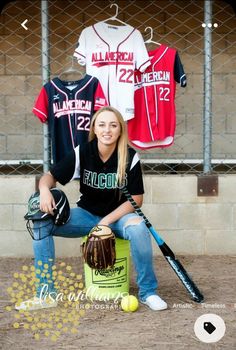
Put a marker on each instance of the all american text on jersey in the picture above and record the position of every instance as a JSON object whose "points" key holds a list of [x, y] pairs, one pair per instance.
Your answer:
{"points": [[114, 57], [157, 77], [71, 106]]}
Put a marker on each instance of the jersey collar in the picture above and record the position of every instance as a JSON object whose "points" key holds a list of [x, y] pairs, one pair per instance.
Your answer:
{"points": [[112, 160]]}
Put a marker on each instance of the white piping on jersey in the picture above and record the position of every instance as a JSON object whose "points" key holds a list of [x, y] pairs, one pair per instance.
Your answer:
{"points": [[156, 105], [134, 161], [144, 66], [182, 83], [148, 114], [159, 58], [151, 83], [83, 87], [76, 174], [68, 119], [60, 90], [69, 112], [153, 144], [43, 114]]}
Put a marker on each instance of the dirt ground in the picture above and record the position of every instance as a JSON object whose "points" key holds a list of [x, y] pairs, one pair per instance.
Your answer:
{"points": [[106, 326]]}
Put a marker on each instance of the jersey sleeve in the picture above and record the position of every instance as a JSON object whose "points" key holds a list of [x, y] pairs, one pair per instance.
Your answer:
{"points": [[179, 74], [80, 51], [99, 98], [142, 60], [40, 108], [135, 178], [68, 168]]}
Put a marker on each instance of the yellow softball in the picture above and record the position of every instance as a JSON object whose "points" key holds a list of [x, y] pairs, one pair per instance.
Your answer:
{"points": [[129, 303]]}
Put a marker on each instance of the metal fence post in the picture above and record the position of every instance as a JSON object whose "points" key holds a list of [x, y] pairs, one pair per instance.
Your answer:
{"points": [[45, 77], [207, 108]]}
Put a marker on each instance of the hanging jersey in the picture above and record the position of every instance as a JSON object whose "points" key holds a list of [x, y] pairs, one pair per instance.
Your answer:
{"points": [[98, 187], [111, 53], [68, 108], [155, 116]]}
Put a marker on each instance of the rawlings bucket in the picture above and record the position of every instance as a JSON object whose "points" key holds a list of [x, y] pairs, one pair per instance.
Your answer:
{"points": [[111, 283]]}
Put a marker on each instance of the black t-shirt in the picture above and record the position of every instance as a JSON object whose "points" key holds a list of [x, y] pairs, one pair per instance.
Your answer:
{"points": [[99, 192]]}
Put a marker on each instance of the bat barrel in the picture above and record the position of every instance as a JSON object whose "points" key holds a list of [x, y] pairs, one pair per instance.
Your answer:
{"points": [[190, 286]]}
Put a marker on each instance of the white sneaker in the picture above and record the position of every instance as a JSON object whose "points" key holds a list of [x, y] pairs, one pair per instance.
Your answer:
{"points": [[155, 303], [36, 304]]}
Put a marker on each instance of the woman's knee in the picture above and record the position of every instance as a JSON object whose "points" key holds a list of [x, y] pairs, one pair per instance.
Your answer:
{"points": [[133, 221], [136, 229], [137, 232]]}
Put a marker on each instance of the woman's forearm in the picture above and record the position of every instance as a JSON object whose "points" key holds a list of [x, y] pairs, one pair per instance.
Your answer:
{"points": [[123, 209], [47, 181], [47, 203]]}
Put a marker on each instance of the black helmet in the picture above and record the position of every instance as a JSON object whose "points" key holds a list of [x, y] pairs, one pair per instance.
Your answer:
{"points": [[62, 210]]}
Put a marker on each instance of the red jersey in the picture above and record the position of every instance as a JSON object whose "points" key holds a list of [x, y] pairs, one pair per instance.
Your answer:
{"points": [[154, 100]]}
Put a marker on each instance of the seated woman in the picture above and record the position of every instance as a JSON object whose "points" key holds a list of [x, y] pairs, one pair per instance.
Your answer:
{"points": [[104, 165]]}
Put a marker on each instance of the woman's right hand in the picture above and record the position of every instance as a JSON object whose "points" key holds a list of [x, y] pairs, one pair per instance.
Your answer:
{"points": [[47, 203]]}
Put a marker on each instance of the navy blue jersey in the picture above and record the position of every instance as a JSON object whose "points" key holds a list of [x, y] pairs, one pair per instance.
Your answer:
{"points": [[99, 192], [68, 106]]}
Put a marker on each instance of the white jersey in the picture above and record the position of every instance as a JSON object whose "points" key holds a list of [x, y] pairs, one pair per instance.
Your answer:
{"points": [[112, 53]]}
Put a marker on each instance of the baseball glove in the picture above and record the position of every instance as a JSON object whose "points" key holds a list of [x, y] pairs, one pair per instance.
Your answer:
{"points": [[99, 248]]}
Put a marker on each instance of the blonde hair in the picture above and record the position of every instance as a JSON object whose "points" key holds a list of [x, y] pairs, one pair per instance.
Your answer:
{"points": [[122, 142]]}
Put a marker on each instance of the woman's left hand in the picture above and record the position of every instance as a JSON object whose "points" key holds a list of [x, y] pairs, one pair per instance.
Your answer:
{"points": [[104, 222]]}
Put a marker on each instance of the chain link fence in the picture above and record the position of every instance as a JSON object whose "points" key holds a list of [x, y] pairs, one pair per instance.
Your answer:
{"points": [[175, 23]]}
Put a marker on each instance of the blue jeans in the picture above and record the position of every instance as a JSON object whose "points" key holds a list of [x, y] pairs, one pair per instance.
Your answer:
{"points": [[79, 224]]}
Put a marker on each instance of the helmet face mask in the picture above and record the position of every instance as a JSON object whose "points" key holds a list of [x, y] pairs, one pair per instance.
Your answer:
{"points": [[30, 228], [61, 212]]}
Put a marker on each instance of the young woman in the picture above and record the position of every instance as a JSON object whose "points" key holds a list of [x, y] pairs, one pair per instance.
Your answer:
{"points": [[104, 165]]}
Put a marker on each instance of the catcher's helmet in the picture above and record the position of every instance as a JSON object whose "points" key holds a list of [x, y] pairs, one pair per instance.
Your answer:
{"points": [[62, 210]]}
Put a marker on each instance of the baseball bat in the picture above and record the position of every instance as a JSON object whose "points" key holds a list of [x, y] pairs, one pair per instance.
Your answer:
{"points": [[178, 268]]}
